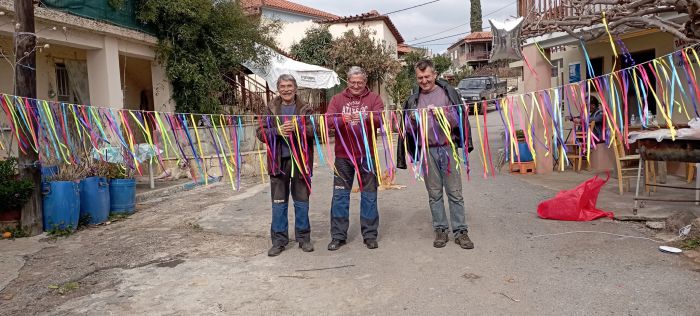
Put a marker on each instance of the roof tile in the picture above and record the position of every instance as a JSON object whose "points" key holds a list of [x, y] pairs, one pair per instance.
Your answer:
{"points": [[254, 6]]}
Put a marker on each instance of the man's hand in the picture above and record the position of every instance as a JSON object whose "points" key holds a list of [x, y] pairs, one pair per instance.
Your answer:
{"points": [[287, 128], [351, 118]]}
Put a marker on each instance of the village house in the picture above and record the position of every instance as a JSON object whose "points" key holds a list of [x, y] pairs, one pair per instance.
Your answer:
{"points": [[92, 54], [472, 51], [567, 64], [296, 19]]}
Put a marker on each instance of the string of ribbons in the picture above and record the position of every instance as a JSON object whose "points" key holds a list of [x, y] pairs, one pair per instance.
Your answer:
{"points": [[70, 133]]}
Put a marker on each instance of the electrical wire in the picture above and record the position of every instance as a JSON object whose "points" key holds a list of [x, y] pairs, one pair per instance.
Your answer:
{"points": [[412, 7], [464, 24]]}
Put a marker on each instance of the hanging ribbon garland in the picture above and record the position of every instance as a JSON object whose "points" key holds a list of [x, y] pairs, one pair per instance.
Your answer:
{"points": [[69, 133]]}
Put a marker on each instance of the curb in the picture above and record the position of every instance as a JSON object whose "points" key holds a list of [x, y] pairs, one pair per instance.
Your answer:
{"points": [[164, 192]]}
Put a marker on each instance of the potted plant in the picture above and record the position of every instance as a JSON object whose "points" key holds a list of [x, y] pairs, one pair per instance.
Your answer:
{"points": [[122, 189], [94, 193], [62, 199], [14, 192]]}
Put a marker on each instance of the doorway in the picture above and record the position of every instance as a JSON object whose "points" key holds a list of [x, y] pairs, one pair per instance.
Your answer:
{"points": [[634, 103]]}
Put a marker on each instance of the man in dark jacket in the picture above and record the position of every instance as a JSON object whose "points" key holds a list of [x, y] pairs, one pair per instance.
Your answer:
{"points": [[439, 167], [286, 130], [349, 114]]}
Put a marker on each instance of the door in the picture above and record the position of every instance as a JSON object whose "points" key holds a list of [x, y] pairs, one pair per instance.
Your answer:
{"points": [[635, 103]]}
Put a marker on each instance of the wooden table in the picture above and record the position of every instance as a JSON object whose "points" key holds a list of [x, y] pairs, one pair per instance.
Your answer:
{"points": [[680, 150]]}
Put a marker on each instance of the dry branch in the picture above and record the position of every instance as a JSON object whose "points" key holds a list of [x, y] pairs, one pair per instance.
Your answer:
{"points": [[572, 16]]}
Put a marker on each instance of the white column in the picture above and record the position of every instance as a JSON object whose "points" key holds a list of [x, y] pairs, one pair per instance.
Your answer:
{"points": [[104, 75], [545, 163], [162, 89]]}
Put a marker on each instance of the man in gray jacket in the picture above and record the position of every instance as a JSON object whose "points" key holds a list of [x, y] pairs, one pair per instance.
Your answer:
{"points": [[440, 169], [289, 173]]}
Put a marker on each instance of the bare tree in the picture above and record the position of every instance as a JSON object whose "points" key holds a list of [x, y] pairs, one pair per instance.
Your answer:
{"points": [[574, 16]]}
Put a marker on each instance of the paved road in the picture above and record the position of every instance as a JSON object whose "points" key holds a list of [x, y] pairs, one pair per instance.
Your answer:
{"points": [[204, 252]]}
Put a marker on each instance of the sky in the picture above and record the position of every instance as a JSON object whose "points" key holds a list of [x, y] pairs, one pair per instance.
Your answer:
{"points": [[423, 26]]}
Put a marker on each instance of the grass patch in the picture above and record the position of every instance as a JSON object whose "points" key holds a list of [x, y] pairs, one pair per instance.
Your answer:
{"points": [[113, 217], [16, 232], [65, 288], [57, 231], [195, 227], [690, 244]]}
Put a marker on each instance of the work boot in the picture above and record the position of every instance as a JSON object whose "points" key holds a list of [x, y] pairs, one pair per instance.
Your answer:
{"points": [[371, 243], [275, 251], [336, 244], [441, 238], [306, 246], [463, 241]]}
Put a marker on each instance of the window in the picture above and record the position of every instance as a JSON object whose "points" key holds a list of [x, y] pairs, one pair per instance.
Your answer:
{"points": [[556, 65], [62, 85]]}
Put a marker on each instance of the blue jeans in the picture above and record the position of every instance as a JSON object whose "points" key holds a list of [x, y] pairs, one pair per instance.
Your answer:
{"points": [[280, 187], [443, 173], [340, 206]]}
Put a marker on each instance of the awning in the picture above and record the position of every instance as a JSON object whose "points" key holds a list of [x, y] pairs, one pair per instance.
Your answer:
{"points": [[307, 75]]}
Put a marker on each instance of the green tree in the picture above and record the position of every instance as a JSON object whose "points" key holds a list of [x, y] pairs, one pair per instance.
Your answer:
{"points": [[400, 86], [201, 40], [475, 20], [412, 58], [315, 47], [376, 58], [442, 63]]}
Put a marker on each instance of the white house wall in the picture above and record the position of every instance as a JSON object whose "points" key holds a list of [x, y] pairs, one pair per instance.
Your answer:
{"points": [[291, 33]]}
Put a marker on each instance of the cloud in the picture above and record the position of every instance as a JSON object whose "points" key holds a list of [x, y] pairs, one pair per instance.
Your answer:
{"points": [[432, 19]]}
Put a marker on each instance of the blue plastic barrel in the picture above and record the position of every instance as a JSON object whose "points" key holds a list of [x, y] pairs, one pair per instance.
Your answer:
{"points": [[525, 154], [48, 172], [61, 205], [122, 196], [94, 199]]}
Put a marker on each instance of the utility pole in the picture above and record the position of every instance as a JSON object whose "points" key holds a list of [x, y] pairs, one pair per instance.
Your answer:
{"points": [[25, 86]]}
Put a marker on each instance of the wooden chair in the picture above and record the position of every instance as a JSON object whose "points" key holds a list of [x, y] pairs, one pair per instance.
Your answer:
{"points": [[627, 167], [690, 170], [576, 147]]}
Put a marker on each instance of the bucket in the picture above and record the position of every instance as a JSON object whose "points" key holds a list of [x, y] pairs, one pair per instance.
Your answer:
{"points": [[122, 196], [61, 203], [94, 200], [525, 154]]}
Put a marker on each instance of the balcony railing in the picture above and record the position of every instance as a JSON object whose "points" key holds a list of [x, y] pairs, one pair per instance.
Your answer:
{"points": [[101, 10], [478, 55], [536, 11]]}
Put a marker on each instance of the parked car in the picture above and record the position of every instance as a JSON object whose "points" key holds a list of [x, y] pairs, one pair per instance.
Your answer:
{"points": [[476, 89]]}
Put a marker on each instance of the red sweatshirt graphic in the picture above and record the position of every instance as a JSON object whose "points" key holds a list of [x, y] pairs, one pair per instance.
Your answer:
{"points": [[350, 133]]}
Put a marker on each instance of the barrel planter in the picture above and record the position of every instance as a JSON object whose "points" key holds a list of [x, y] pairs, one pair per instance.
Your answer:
{"points": [[122, 196], [94, 200], [48, 171], [61, 203]]}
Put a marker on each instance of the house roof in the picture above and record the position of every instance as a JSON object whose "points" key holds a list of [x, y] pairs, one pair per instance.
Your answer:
{"points": [[255, 6], [474, 37], [403, 49], [479, 37], [369, 16]]}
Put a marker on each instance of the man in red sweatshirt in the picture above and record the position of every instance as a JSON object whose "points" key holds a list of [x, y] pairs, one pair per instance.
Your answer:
{"points": [[349, 114]]}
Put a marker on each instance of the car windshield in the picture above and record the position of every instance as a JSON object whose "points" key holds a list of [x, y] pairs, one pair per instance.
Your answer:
{"points": [[472, 84]]}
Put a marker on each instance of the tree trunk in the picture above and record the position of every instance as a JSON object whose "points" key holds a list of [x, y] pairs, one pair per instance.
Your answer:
{"points": [[25, 86], [475, 16]]}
